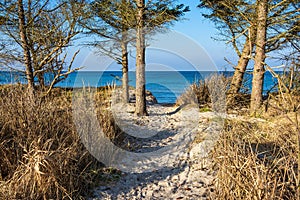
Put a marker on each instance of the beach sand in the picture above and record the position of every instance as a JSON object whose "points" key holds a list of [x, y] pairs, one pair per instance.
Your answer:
{"points": [[170, 155]]}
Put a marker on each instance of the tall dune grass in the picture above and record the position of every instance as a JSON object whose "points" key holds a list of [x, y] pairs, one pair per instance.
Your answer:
{"points": [[256, 161], [209, 92], [255, 158], [41, 154]]}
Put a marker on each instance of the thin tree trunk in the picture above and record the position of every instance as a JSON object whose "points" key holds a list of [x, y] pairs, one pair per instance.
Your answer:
{"points": [[260, 55], [124, 45], [41, 80], [35, 64], [140, 107], [25, 46], [238, 77], [125, 72]]}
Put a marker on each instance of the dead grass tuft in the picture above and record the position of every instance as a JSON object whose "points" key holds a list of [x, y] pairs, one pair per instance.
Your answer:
{"points": [[42, 156], [256, 160], [208, 93]]}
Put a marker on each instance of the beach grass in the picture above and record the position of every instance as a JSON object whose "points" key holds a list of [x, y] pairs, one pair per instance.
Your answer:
{"points": [[255, 158], [42, 156]]}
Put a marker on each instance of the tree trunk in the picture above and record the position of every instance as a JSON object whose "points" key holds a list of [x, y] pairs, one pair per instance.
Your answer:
{"points": [[140, 107], [35, 63], [125, 71], [260, 55], [41, 80], [238, 77], [124, 45], [25, 46]]}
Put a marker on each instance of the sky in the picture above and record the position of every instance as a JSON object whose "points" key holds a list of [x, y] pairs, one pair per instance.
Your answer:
{"points": [[203, 31], [189, 45]]}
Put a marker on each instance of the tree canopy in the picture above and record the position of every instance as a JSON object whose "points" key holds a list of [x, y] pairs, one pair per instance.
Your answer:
{"points": [[35, 35]]}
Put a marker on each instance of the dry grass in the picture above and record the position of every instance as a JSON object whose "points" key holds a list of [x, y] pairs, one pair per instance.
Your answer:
{"points": [[100, 99], [208, 93], [238, 103], [256, 161], [103, 98], [197, 93], [42, 156], [254, 158]]}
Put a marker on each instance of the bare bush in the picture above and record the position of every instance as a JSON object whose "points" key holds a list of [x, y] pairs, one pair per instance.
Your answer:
{"points": [[206, 93]]}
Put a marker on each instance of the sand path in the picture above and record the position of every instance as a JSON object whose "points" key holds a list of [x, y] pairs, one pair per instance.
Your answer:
{"points": [[167, 163]]}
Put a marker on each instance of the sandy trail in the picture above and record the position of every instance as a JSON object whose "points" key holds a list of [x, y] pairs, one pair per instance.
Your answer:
{"points": [[165, 163]]}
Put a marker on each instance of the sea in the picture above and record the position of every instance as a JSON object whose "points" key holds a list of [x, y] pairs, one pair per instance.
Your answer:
{"points": [[166, 86]]}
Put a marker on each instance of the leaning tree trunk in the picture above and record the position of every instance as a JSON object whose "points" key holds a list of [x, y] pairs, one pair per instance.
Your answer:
{"points": [[260, 55], [238, 77], [25, 46], [140, 107], [125, 71]]}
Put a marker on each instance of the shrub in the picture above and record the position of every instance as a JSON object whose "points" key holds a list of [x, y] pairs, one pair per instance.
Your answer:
{"points": [[210, 92]]}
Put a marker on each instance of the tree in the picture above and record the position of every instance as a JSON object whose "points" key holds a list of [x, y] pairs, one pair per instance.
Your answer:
{"points": [[260, 56], [236, 28], [244, 58], [36, 37], [110, 21], [239, 18], [114, 23], [140, 107], [155, 14], [25, 46], [274, 33]]}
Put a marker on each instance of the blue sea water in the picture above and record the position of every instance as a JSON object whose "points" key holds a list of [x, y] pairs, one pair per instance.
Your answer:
{"points": [[166, 86]]}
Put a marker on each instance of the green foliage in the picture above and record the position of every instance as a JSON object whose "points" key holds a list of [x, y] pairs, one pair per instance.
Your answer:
{"points": [[205, 109], [109, 19], [233, 18], [162, 13]]}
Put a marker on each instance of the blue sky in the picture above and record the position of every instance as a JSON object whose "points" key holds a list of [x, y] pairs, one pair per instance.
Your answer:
{"points": [[194, 30], [202, 30]]}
